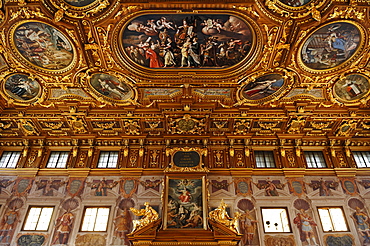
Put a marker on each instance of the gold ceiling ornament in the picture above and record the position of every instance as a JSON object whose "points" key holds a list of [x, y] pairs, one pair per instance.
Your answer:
{"points": [[296, 12], [348, 13], [265, 86], [346, 128], [26, 13], [132, 127], [27, 127], [77, 124], [78, 12], [250, 10], [186, 124]]}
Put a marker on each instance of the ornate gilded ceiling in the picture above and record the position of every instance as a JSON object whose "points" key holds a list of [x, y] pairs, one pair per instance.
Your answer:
{"points": [[211, 71]]}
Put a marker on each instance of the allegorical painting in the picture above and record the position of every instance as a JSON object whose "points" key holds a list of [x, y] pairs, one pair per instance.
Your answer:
{"points": [[22, 87], [263, 86], [330, 45], [352, 87], [80, 3], [43, 45], [295, 3], [187, 41], [109, 86], [185, 203]]}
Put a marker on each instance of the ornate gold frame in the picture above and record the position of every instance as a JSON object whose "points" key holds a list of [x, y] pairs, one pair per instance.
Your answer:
{"points": [[353, 58], [289, 78], [161, 73], [4, 77], [129, 81], [199, 168], [24, 61], [69, 10], [204, 201]]}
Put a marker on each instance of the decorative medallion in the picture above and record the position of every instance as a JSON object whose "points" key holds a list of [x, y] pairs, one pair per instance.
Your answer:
{"points": [[351, 88], [21, 87], [80, 3], [187, 41], [111, 87], [43, 46], [331, 46], [263, 86], [295, 3]]}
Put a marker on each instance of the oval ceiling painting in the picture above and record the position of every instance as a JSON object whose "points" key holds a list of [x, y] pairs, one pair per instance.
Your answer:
{"points": [[295, 3], [80, 3], [109, 86], [263, 87], [352, 87], [187, 41], [43, 45], [330, 46], [21, 87]]}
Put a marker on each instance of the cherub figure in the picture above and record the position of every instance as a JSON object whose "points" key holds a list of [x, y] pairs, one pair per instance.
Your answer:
{"points": [[49, 186], [270, 186]]}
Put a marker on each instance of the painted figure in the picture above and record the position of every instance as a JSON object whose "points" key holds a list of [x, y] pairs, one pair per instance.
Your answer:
{"points": [[63, 228], [122, 226], [101, 187], [362, 223], [8, 224], [305, 225], [247, 227]]}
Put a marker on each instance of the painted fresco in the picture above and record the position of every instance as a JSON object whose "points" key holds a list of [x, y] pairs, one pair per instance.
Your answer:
{"points": [[187, 41], [263, 86], [80, 3], [295, 3], [109, 86], [185, 205], [330, 45], [21, 87], [352, 87], [43, 45]]}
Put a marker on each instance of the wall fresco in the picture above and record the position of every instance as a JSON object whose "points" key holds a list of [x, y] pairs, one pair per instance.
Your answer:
{"points": [[263, 86]]}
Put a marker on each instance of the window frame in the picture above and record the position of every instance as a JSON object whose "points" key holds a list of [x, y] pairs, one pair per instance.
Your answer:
{"points": [[315, 158], [364, 160], [58, 159], [28, 213], [110, 152], [11, 158], [264, 157], [287, 218], [331, 219], [83, 217]]}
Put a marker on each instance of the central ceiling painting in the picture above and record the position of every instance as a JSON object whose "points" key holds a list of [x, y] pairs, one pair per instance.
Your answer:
{"points": [[187, 40]]}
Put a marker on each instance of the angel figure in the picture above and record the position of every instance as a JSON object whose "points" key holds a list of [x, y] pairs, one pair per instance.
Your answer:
{"points": [[148, 213], [323, 186], [270, 187], [101, 187], [49, 186]]}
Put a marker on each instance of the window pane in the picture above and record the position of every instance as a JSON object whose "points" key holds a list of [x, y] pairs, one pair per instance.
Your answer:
{"points": [[264, 159], [315, 159], [9, 159], [44, 219], [108, 159], [89, 219], [362, 158], [58, 159], [275, 220], [332, 219], [95, 219], [38, 219]]}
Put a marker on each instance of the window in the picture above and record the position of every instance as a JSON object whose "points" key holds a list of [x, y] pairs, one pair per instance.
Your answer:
{"points": [[264, 158], [362, 158], [9, 159], [108, 159], [332, 219], [38, 219], [315, 159], [275, 220], [58, 159], [95, 219]]}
